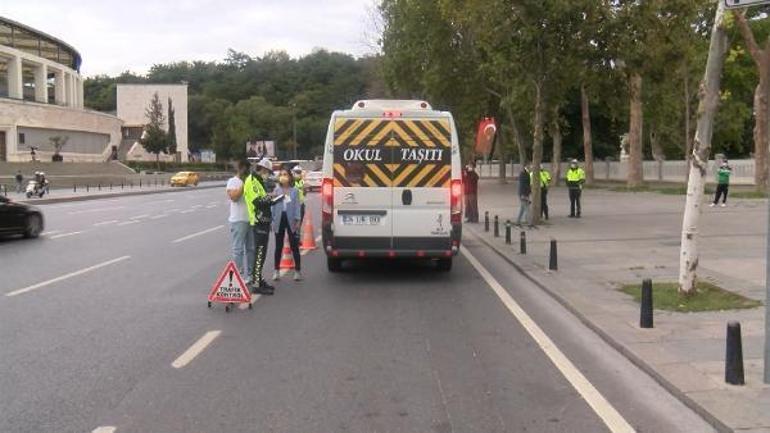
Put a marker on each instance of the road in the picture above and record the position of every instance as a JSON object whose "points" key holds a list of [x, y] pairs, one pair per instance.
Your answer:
{"points": [[104, 328]]}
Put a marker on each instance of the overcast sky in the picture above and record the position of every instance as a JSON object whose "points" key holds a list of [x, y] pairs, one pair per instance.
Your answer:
{"points": [[114, 36]]}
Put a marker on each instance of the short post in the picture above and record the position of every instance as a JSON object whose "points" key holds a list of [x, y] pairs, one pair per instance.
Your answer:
{"points": [[523, 242], [645, 318], [140, 182], [508, 232], [734, 355], [74, 187], [99, 186], [122, 184], [497, 227], [110, 186], [553, 263], [486, 221], [86, 187]]}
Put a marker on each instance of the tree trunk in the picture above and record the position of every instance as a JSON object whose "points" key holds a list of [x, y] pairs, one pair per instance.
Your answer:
{"points": [[588, 145], [635, 173], [760, 128], [521, 143], [557, 137], [537, 155], [687, 115], [707, 109], [501, 163]]}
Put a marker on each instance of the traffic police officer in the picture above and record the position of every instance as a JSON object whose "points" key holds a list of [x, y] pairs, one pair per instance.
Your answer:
{"points": [[299, 184], [545, 182], [576, 177], [258, 204]]}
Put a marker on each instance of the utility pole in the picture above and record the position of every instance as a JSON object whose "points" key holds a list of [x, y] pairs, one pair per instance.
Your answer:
{"points": [[294, 127], [707, 109]]}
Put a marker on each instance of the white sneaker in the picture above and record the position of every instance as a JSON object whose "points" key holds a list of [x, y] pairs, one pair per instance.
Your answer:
{"points": [[297, 276], [723, 205], [276, 275], [712, 205]]}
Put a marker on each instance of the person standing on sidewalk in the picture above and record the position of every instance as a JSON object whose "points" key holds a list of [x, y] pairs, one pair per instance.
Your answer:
{"points": [[576, 177], [545, 182], [19, 182], [525, 190], [241, 235], [287, 219], [723, 183], [258, 204], [471, 181]]}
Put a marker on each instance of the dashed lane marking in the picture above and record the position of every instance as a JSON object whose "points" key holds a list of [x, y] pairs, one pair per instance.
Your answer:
{"points": [[195, 235], [104, 429], [196, 349], [66, 276], [104, 223], [188, 211], [139, 216], [101, 209], [157, 217], [608, 414], [64, 235], [125, 223]]}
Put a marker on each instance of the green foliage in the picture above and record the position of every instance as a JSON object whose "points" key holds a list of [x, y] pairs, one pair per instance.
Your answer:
{"points": [[171, 128], [155, 139], [708, 297], [177, 166]]}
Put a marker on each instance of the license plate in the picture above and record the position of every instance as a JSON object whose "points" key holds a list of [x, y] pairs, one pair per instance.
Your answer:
{"points": [[361, 220]]}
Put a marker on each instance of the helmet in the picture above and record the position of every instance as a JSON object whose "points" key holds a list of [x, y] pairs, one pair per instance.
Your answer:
{"points": [[266, 164], [296, 169], [574, 161]]}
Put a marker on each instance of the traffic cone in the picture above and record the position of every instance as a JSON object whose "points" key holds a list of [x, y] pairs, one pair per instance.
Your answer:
{"points": [[308, 235], [287, 260]]}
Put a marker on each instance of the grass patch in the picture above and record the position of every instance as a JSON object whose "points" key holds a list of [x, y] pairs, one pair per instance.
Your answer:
{"points": [[665, 296], [748, 194]]}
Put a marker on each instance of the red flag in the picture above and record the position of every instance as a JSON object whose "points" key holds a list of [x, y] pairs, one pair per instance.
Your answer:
{"points": [[486, 137]]}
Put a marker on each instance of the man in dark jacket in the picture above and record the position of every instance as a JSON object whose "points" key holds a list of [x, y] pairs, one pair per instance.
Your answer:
{"points": [[525, 190], [471, 181]]}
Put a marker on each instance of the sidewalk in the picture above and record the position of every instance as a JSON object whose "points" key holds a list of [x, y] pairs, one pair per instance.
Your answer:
{"points": [[625, 237]]}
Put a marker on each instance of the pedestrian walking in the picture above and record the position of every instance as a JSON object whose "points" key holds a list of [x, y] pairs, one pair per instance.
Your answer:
{"points": [[19, 182], [471, 182], [723, 183], [258, 205], [576, 177], [299, 184], [241, 234], [525, 190], [287, 219], [545, 182]]}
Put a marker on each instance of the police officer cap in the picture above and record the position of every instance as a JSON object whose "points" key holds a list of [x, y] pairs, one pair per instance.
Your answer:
{"points": [[297, 169], [266, 164]]}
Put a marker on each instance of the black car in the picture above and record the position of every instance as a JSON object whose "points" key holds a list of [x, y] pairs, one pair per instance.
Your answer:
{"points": [[19, 219]]}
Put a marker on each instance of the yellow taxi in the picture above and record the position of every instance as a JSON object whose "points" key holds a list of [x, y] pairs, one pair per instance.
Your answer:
{"points": [[185, 178]]}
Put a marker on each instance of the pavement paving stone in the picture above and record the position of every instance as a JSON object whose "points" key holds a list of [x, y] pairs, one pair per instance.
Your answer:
{"points": [[626, 237]]}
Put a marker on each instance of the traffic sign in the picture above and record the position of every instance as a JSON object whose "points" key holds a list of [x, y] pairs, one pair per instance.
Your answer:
{"points": [[738, 4], [229, 287]]}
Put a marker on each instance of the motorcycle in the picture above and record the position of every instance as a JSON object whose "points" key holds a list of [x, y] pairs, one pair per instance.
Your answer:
{"points": [[34, 188]]}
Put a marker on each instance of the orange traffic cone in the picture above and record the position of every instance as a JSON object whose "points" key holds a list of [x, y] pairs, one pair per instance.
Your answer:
{"points": [[287, 260], [308, 234]]}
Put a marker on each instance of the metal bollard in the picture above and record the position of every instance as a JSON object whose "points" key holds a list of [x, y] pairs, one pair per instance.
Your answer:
{"points": [[110, 186], [497, 227], [523, 242], [100, 186], [645, 316], [508, 232], [553, 262], [486, 221], [122, 185], [74, 187], [86, 187], [140, 183], [734, 355]]}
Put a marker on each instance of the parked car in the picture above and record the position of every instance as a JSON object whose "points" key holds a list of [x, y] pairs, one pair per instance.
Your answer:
{"points": [[20, 219], [185, 178], [313, 180]]}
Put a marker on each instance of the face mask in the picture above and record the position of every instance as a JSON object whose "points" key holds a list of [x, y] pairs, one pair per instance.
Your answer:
{"points": [[284, 179], [264, 174]]}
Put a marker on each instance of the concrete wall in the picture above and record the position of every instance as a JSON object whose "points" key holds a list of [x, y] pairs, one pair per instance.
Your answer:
{"points": [[133, 100], [667, 171], [15, 114]]}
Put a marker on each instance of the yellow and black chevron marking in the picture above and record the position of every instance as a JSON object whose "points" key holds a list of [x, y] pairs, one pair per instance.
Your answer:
{"points": [[411, 153]]}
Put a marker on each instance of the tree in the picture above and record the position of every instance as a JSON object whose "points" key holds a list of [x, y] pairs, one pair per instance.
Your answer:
{"points": [[58, 142], [707, 108], [171, 129], [155, 139]]}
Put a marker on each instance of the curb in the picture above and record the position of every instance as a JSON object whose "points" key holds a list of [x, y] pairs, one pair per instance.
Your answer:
{"points": [[108, 195], [620, 347]]}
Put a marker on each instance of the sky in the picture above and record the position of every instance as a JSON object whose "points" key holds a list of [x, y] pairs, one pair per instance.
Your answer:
{"points": [[113, 36]]}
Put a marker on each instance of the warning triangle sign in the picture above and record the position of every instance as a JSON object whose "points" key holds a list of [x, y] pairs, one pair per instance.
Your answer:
{"points": [[230, 287]]}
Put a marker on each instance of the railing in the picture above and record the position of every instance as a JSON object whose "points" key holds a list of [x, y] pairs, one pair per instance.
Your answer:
{"points": [[664, 171]]}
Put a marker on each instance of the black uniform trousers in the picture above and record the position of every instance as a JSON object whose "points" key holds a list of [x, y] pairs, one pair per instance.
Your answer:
{"points": [[261, 241], [574, 201]]}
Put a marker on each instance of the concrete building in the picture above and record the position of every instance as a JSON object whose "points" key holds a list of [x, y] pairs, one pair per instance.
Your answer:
{"points": [[41, 97], [133, 100]]}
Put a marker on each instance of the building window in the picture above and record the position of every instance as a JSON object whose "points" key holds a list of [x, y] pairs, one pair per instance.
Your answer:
{"points": [[21, 138]]}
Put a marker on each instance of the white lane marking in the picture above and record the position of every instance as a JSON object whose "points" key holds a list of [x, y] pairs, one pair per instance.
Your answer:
{"points": [[157, 217], [211, 206], [194, 235], [188, 211], [102, 209], [196, 349], [612, 419], [197, 206], [254, 299], [171, 200], [66, 276], [139, 216], [64, 235], [104, 223], [104, 429], [172, 210], [125, 223], [51, 232]]}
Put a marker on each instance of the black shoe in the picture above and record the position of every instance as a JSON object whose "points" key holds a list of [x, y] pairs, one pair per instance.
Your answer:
{"points": [[572, 216], [265, 288], [578, 216]]}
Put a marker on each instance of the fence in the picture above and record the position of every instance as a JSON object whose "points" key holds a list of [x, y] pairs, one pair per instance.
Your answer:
{"points": [[664, 171]]}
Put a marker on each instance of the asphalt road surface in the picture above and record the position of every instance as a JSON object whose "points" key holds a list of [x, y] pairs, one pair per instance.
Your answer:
{"points": [[104, 328]]}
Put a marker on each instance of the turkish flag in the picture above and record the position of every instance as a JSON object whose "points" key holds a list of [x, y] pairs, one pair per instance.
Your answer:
{"points": [[486, 136]]}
